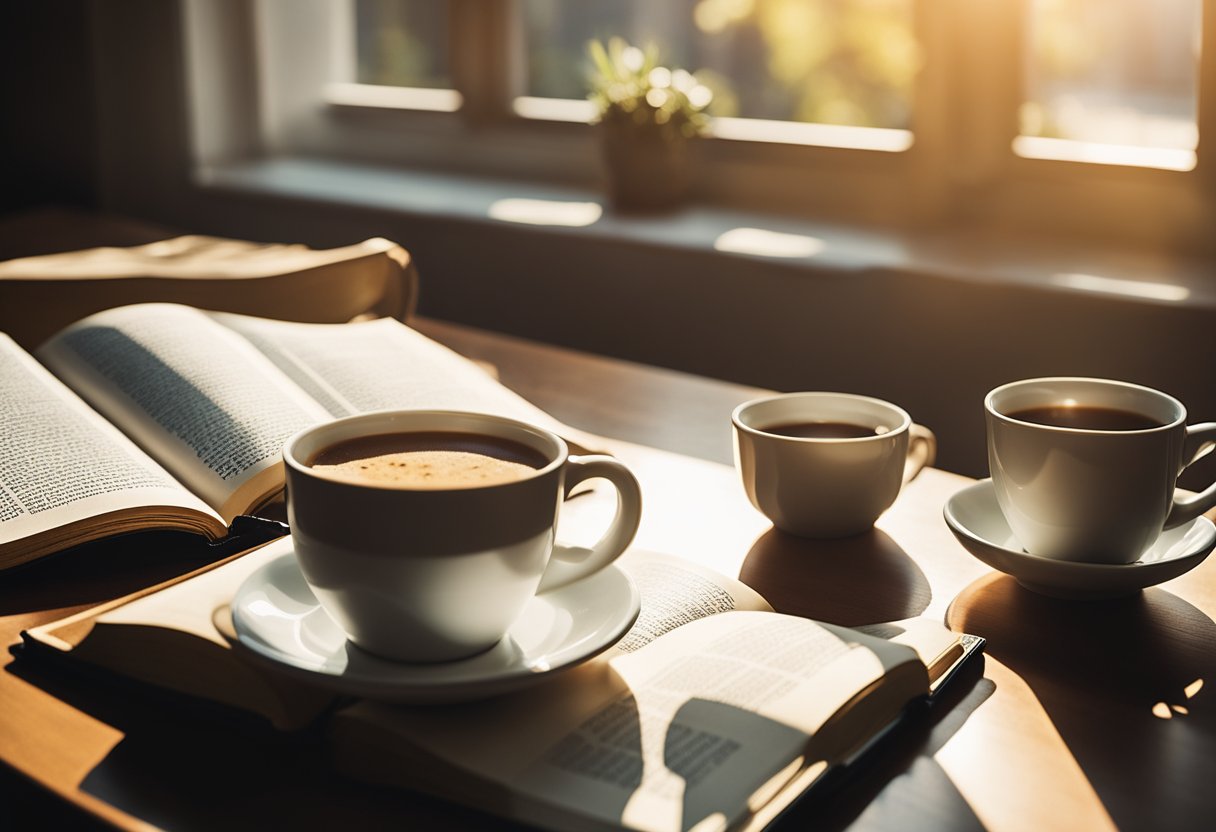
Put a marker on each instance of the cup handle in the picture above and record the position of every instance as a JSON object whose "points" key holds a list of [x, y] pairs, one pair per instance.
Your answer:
{"points": [[922, 451], [1200, 440], [571, 563]]}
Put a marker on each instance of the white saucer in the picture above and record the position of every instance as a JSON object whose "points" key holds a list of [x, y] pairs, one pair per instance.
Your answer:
{"points": [[976, 520], [277, 619]]}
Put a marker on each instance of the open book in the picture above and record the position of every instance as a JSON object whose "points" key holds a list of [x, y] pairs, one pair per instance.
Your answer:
{"points": [[712, 712], [160, 416]]}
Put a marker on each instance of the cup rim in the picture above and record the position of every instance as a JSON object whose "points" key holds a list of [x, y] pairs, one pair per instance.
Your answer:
{"points": [[291, 460], [1179, 419], [736, 417]]}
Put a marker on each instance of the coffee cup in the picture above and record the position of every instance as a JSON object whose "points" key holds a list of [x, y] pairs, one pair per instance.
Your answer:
{"points": [[424, 534], [1085, 469], [826, 465]]}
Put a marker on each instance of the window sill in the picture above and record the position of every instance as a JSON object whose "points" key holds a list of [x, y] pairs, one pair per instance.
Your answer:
{"points": [[980, 256]]}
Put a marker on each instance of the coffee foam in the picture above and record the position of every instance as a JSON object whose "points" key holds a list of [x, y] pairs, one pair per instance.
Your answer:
{"points": [[432, 469]]}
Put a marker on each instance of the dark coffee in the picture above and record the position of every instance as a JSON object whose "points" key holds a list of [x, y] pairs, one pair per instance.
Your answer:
{"points": [[824, 430], [430, 459], [1084, 417]]}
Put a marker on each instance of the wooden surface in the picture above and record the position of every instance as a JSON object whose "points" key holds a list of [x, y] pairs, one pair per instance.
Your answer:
{"points": [[1085, 716], [651, 406]]}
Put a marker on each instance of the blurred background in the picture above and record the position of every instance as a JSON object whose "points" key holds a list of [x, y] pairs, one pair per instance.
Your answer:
{"points": [[912, 199]]}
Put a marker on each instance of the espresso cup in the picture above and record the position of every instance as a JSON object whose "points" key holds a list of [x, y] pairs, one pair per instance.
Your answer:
{"points": [[438, 571], [1085, 469], [826, 464]]}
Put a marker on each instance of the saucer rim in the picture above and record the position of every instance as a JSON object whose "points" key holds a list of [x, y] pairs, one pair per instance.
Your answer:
{"points": [[1062, 576], [423, 690]]}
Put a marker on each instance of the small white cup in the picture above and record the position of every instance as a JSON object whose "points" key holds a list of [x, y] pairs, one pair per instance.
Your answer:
{"points": [[427, 575], [1092, 495], [827, 487]]}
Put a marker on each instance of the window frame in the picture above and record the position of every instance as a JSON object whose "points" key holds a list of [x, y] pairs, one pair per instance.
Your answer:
{"points": [[960, 169]]}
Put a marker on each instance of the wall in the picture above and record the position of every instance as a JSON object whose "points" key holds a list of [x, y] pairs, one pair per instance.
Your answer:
{"points": [[48, 131]]}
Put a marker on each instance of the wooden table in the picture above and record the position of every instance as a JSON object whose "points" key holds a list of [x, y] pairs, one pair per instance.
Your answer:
{"points": [[1085, 716]]}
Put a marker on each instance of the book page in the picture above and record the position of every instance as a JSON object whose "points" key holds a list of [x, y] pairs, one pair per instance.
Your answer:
{"points": [[675, 592], [62, 462], [723, 708], [379, 365], [196, 396], [693, 731]]}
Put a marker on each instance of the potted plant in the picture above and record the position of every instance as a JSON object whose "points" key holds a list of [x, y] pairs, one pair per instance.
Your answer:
{"points": [[648, 117]]}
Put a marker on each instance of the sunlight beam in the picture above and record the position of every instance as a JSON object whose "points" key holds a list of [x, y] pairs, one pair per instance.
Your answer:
{"points": [[1120, 286], [546, 212], [765, 243]]}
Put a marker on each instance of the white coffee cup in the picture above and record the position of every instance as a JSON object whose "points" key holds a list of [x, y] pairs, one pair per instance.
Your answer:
{"points": [[827, 487], [436, 574], [1087, 494]]}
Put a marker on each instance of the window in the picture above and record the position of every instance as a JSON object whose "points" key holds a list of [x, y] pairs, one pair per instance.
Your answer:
{"points": [[848, 63], [1115, 74], [1082, 116], [401, 44]]}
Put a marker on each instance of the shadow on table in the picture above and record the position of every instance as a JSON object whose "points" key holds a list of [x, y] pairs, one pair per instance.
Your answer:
{"points": [[852, 581], [189, 764], [1122, 681], [102, 570], [105, 569]]}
